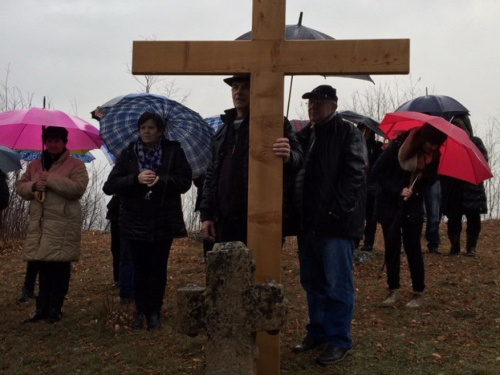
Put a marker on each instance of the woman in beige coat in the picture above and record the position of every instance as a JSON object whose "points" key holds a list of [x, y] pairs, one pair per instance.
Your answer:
{"points": [[54, 230]]}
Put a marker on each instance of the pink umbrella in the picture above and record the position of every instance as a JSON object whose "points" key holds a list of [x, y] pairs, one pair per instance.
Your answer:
{"points": [[460, 158], [22, 129]]}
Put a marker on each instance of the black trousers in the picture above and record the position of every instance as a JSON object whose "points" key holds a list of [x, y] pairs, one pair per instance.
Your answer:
{"points": [[229, 230], [371, 221], [150, 273], [32, 268], [410, 234], [54, 285], [455, 222], [115, 248]]}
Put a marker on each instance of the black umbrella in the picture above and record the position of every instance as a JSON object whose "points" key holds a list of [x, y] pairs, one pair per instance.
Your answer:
{"points": [[367, 121], [300, 32], [435, 105]]}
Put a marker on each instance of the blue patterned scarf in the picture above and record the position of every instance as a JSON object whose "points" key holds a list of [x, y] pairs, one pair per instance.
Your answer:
{"points": [[148, 158]]}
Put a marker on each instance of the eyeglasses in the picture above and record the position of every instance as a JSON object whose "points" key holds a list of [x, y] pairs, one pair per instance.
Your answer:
{"points": [[318, 103]]}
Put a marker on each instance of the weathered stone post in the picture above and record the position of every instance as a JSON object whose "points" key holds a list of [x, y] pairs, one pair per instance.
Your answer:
{"points": [[231, 310]]}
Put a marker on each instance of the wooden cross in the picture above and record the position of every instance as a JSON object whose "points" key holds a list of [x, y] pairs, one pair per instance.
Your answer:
{"points": [[268, 58]]}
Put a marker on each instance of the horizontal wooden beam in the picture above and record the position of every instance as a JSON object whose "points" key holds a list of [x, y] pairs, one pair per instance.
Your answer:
{"points": [[325, 57]]}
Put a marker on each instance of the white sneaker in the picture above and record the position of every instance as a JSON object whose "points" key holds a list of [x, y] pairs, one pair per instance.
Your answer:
{"points": [[416, 301], [391, 299]]}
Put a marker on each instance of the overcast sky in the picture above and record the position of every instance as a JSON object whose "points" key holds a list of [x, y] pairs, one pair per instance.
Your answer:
{"points": [[77, 52]]}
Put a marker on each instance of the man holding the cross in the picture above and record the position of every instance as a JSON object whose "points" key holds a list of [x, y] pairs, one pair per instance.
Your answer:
{"points": [[331, 192], [223, 207]]}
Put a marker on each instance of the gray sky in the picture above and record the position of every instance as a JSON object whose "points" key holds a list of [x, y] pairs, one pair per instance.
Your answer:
{"points": [[78, 51]]}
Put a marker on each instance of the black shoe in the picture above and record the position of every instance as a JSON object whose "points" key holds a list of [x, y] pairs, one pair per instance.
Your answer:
{"points": [[154, 322], [306, 345], [25, 295], [55, 316], [367, 247], [332, 354], [471, 252], [138, 321], [38, 315], [433, 250]]}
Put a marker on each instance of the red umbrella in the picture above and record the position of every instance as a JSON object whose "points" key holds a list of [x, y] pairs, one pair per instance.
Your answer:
{"points": [[460, 158]]}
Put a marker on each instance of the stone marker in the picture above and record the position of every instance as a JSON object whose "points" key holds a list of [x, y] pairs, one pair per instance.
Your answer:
{"points": [[230, 310]]}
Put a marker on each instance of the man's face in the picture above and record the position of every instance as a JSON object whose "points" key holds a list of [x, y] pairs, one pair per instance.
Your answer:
{"points": [[240, 91], [319, 109]]}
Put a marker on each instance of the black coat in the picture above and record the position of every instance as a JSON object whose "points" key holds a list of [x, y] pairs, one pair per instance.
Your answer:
{"points": [[4, 191], [330, 195], [238, 200], [156, 215], [392, 179], [468, 196]]}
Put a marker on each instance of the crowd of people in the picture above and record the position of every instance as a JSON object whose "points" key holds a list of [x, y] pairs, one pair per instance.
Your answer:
{"points": [[339, 181]]}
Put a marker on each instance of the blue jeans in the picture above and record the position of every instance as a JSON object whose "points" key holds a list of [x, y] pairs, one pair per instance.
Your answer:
{"points": [[432, 199], [326, 276]]}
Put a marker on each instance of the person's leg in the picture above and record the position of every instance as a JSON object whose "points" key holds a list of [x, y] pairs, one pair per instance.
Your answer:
{"points": [[140, 254], [413, 249], [370, 224], [454, 230], [42, 300], [310, 279], [157, 281], [28, 289], [60, 277], [432, 199], [115, 250], [392, 255], [473, 230], [126, 273], [229, 230]]}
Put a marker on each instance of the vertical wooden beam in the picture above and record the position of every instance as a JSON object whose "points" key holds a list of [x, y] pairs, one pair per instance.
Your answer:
{"points": [[265, 180]]}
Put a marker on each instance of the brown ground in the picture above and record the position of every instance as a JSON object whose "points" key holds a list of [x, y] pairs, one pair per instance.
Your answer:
{"points": [[456, 332]]}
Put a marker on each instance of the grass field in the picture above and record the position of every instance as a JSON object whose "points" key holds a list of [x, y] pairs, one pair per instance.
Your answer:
{"points": [[457, 332]]}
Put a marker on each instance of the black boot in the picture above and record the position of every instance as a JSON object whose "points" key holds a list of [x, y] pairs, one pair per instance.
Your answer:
{"points": [[25, 295], [471, 245], [138, 322], [153, 322], [41, 312], [455, 244]]}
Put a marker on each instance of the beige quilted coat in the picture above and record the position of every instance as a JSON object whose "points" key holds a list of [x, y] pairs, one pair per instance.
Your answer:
{"points": [[54, 231]]}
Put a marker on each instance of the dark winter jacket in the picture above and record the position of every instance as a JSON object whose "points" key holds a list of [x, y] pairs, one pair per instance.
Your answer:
{"points": [[151, 213], [330, 194], [236, 201], [4, 191], [392, 179], [374, 150], [457, 192]]}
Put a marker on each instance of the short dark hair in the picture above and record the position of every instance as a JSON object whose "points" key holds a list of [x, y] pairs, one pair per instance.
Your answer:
{"points": [[157, 119], [55, 132]]}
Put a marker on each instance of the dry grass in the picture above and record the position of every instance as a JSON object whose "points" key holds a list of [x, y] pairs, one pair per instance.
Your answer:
{"points": [[457, 331]]}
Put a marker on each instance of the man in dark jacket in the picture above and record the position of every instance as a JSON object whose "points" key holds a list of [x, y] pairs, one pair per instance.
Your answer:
{"points": [[223, 207], [332, 191]]}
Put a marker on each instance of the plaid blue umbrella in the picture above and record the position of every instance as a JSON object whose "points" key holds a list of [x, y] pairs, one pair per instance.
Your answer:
{"points": [[118, 126], [9, 160], [29, 156], [214, 122]]}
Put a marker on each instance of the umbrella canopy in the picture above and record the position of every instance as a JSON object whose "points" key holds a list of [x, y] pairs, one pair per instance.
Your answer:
{"points": [[460, 158], [214, 122], [367, 121], [28, 156], [434, 105], [22, 129], [9, 160], [300, 32], [118, 122], [298, 125]]}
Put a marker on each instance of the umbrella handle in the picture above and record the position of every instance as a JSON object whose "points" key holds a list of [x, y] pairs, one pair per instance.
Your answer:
{"points": [[411, 189], [154, 182], [39, 196]]}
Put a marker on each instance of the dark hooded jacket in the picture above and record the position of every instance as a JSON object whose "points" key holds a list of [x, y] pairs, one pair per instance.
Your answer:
{"points": [[233, 203], [151, 213], [330, 191], [457, 192]]}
